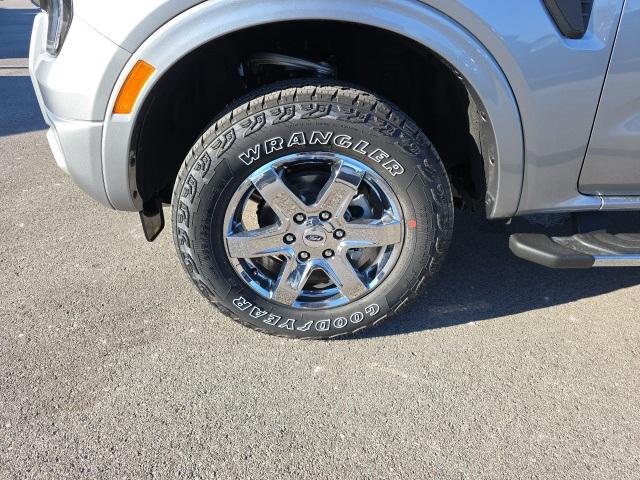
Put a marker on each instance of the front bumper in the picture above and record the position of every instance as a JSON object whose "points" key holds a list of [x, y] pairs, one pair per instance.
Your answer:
{"points": [[73, 90]]}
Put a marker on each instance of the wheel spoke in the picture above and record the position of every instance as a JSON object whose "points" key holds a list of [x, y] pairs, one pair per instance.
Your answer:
{"points": [[280, 198], [373, 233], [339, 190], [273, 216], [290, 281], [342, 273], [261, 242]]}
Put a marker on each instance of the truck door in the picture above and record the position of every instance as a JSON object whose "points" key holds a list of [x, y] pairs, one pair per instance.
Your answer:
{"points": [[612, 163]]}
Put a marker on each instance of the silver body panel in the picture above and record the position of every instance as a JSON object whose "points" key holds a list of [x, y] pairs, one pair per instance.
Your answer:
{"points": [[556, 82], [423, 24], [540, 89], [72, 90], [612, 164]]}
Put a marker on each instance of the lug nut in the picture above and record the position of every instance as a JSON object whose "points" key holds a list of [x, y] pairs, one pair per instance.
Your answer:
{"points": [[299, 217], [338, 234], [324, 216], [289, 238], [304, 256], [328, 253]]}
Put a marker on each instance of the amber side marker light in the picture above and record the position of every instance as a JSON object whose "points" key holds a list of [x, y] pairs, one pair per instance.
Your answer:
{"points": [[129, 92]]}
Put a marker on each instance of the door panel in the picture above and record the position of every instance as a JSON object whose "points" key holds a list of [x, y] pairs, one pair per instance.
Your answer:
{"points": [[612, 163]]}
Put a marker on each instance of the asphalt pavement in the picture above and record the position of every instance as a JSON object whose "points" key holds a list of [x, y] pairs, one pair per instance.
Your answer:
{"points": [[113, 366]]}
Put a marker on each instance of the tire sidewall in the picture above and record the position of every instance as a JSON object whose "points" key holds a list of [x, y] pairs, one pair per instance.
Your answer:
{"points": [[213, 176]]}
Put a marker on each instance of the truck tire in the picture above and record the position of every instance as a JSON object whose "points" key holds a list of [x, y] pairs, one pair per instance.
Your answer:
{"points": [[312, 211]]}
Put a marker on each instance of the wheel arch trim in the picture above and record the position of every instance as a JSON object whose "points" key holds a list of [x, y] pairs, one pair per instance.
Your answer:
{"points": [[503, 137]]}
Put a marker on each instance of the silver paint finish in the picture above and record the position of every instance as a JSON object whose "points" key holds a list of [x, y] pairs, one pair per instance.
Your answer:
{"points": [[583, 203], [556, 82], [513, 58], [75, 143], [77, 84], [412, 19], [79, 143], [312, 245], [129, 23], [620, 203], [612, 165]]}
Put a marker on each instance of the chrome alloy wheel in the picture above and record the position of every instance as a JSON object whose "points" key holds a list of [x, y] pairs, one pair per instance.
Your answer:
{"points": [[313, 230]]}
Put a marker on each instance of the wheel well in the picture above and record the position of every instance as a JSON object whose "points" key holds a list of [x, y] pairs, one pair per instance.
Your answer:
{"points": [[200, 85]]}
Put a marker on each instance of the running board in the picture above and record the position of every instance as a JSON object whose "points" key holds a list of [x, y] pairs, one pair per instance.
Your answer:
{"points": [[582, 250]]}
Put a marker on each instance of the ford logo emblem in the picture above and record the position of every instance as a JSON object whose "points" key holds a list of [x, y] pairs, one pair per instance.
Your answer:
{"points": [[312, 237]]}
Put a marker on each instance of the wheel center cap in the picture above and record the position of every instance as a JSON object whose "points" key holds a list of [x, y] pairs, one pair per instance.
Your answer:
{"points": [[314, 237]]}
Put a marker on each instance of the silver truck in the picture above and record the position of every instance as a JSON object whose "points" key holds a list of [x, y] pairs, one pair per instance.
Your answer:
{"points": [[312, 151]]}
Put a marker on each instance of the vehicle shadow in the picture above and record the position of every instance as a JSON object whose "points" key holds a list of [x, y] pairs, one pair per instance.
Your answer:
{"points": [[481, 280], [15, 31], [19, 111]]}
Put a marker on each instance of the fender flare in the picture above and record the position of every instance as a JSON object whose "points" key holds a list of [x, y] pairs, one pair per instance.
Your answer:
{"points": [[501, 130]]}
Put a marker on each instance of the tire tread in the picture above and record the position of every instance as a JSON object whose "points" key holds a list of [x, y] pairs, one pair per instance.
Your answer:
{"points": [[433, 174]]}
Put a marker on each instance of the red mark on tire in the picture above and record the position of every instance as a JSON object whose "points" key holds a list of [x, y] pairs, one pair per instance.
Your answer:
{"points": [[412, 223]]}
